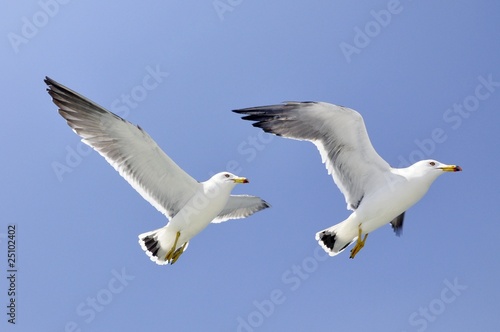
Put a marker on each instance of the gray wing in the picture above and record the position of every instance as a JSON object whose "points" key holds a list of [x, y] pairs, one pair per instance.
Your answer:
{"points": [[241, 206], [397, 224], [340, 135], [129, 149]]}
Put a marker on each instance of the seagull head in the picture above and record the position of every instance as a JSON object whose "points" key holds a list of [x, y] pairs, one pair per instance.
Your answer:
{"points": [[226, 177], [438, 166], [433, 168]]}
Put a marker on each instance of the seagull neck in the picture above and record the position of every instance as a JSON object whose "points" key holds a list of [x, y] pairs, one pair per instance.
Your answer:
{"points": [[413, 176], [213, 189]]}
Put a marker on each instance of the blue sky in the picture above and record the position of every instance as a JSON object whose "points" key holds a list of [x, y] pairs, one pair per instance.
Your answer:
{"points": [[425, 76]]}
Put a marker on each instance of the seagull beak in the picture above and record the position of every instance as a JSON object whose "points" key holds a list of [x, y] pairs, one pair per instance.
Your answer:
{"points": [[240, 180], [451, 168]]}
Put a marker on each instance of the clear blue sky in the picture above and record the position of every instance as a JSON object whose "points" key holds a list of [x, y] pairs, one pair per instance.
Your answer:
{"points": [[424, 74]]}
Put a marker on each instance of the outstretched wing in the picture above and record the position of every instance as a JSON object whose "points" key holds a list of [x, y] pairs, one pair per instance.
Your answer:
{"points": [[340, 135], [128, 148], [241, 206]]}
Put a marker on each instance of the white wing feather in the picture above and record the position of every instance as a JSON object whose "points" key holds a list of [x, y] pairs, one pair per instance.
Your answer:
{"points": [[128, 148], [241, 206], [340, 135]]}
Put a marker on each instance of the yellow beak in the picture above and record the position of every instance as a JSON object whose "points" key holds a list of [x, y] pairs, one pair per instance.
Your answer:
{"points": [[451, 168], [240, 180]]}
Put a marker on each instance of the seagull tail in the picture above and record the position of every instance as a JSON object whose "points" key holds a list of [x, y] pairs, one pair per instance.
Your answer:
{"points": [[157, 243], [335, 239]]}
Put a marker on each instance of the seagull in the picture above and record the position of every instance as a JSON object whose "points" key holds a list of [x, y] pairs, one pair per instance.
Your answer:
{"points": [[189, 205], [377, 193]]}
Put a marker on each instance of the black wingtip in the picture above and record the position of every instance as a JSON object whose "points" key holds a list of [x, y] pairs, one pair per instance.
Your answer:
{"points": [[266, 204], [249, 112], [397, 230], [49, 81], [52, 85], [328, 239], [151, 244], [397, 224]]}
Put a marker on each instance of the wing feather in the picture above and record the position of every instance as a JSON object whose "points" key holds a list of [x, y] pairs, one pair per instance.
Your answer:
{"points": [[241, 206], [128, 148], [397, 224], [340, 135]]}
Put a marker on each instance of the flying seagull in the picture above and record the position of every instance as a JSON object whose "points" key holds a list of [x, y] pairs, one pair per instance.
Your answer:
{"points": [[376, 193], [188, 204]]}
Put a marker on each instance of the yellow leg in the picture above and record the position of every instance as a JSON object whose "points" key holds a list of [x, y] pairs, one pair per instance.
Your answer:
{"points": [[170, 253], [359, 243], [178, 253]]}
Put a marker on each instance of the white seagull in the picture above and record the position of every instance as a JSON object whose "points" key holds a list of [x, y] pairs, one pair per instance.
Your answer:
{"points": [[188, 204], [376, 193]]}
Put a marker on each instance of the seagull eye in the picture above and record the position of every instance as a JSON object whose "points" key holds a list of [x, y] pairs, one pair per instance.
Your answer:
{"points": [[432, 163], [226, 175]]}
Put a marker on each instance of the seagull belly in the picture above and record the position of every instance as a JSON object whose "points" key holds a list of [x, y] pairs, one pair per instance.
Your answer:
{"points": [[386, 204], [197, 214]]}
